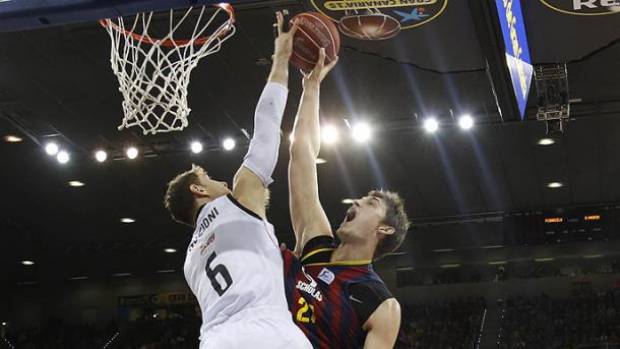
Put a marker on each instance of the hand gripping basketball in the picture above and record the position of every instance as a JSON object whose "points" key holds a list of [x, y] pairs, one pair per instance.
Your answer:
{"points": [[284, 42], [320, 70]]}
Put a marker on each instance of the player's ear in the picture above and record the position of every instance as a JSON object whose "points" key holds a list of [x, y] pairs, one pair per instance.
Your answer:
{"points": [[386, 230], [198, 190]]}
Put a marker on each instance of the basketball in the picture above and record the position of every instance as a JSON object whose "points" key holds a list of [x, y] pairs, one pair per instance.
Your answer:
{"points": [[315, 30]]}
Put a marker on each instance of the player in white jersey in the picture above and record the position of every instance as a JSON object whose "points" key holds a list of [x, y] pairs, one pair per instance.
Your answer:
{"points": [[233, 264]]}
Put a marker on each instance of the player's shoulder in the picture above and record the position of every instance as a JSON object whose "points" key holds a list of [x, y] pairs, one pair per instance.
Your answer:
{"points": [[318, 250], [371, 289], [367, 296]]}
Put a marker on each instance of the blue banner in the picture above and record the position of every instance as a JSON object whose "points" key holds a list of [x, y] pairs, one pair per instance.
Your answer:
{"points": [[516, 48]]}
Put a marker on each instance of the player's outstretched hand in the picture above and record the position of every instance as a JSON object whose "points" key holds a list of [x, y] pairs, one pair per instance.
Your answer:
{"points": [[320, 70], [284, 40]]}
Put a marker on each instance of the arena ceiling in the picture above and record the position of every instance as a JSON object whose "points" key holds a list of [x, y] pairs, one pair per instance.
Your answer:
{"points": [[56, 84]]}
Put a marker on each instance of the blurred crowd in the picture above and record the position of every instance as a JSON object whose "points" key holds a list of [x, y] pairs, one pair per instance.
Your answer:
{"points": [[151, 333], [442, 325], [585, 320]]}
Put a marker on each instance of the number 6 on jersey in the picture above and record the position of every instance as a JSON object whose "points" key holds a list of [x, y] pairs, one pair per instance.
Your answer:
{"points": [[212, 274]]}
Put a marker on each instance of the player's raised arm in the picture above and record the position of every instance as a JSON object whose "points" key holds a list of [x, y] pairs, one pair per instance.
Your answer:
{"points": [[307, 215], [254, 175]]}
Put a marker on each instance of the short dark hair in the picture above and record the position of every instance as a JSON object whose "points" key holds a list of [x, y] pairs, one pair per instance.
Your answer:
{"points": [[395, 217], [179, 200]]}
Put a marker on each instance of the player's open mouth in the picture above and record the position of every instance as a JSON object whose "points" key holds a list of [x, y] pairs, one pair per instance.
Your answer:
{"points": [[350, 215]]}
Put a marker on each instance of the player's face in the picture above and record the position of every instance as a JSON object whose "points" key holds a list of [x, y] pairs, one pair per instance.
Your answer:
{"points": [[363, 219], [212, 188]]}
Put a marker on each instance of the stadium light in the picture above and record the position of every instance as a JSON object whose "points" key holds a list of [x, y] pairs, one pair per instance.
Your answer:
{"points": [[51, 148], [466, 122], [132, 153], [555, 185], [101, 155], [546, 141], [63, 157], [196, 147], [12, 139], [361, 132], [329, 134], [229, 144], [431, 125]]}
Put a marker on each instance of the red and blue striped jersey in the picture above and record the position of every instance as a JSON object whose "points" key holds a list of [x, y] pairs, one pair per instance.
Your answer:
{"points": [[330, 302]]}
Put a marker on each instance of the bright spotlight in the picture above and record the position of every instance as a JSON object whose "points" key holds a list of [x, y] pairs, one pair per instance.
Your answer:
{"points": [[329, 134], [12, 139], [62, 157], [466, 122], [27, 262], [229, 144], [170, 250], [101, 155], [555, 185], [431, 125], [127, 220], [51, 148], [546, 141], [361, 132], [196, 147], [132, 152]]}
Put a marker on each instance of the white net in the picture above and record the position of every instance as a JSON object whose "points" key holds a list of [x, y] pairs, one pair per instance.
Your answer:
{"points": [[154, 74]]}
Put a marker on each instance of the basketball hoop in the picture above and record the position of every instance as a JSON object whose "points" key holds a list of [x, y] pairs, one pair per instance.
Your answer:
{"points": [[370, 25], [154, 73]]}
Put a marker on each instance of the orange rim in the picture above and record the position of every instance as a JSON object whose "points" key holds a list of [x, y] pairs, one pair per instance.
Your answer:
{"points": [[171, 42]]}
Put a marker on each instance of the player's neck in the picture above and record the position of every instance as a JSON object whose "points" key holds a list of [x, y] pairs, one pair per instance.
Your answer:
{"points": [[352, 252], [199, 203]]}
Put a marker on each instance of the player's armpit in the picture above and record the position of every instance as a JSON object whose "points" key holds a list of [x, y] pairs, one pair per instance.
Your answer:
{"points": [[249, 190], [383, 326]]}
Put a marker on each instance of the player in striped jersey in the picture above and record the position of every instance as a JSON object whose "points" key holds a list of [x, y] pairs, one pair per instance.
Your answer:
{"points": [[334, 295]]}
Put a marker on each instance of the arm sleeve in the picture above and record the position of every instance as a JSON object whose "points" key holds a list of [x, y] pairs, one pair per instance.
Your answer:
{"points": [[366, 297], [262, 154]]}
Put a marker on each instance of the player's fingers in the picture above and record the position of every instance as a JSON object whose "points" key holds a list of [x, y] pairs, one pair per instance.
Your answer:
{"points": [[293, 28], [280, 21], [332, 64], [321, 62]]}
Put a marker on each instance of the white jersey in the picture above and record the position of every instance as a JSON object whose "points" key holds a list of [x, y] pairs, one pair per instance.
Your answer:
{"points": [[234, 267]]}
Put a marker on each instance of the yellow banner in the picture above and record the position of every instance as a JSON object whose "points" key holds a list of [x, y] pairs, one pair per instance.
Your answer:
{"points": [[343, 5]]}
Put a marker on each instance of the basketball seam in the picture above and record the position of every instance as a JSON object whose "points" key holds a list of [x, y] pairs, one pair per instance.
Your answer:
{"points": [[309, 38], [331, 36], [302, 58]]}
